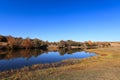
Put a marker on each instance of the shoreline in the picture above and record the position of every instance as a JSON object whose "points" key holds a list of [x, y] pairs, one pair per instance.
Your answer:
{"points": [[92, 64]]}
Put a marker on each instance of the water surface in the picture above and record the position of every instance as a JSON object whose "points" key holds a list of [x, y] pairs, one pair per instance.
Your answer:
{"points": [[18, 59]]}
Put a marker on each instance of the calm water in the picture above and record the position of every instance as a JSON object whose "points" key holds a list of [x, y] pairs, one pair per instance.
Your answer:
{"points": [[18, 59]]}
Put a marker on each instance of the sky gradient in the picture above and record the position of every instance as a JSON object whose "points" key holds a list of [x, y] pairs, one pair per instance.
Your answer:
{"points": [[54, 20]]}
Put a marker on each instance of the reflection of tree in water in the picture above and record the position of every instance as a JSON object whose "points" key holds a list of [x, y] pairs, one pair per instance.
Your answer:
{"points": [[63, 51], [71, 51], [29, 53], [20, 53]]}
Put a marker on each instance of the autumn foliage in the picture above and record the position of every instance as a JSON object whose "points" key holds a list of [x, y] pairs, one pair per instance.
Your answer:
{"points": [[10, 42], [27, 43], [20, 43]]}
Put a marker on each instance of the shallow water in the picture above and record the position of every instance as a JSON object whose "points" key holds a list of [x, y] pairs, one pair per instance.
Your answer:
{"points": [[18, 59]]}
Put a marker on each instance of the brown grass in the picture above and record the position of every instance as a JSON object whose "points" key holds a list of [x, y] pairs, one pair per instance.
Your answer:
{"points": [[115, 44], [105, 66]]}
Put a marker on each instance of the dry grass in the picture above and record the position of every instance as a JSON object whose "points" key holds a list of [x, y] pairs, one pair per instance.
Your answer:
{"points": [[115, 44], [105, 66]]}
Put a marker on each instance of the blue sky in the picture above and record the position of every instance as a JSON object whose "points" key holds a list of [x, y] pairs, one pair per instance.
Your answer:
{"points": [[54, 20]]}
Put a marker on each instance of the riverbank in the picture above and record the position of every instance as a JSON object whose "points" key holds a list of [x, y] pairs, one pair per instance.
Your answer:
{"points": [[105, 66]]}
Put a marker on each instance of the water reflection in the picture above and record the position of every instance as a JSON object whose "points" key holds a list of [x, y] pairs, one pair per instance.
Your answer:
{"points": [[29, 53], [20, 58]]}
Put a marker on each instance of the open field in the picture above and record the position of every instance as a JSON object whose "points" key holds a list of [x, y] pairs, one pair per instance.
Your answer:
{"points": [[105, 66]]}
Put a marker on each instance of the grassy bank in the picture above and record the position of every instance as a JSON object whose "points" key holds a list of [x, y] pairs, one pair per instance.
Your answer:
{"points": [[105, 66]]}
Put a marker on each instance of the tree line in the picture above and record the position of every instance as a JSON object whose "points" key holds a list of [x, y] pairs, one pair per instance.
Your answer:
{"points": [[84, 45], [20, 43], [10, 42]]}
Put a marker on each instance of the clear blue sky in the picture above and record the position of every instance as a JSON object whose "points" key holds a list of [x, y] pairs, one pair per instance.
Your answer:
{"points": [[54, 20]]}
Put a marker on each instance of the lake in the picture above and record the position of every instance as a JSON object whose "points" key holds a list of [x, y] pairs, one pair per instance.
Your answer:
{"points": [[20, 58]]}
